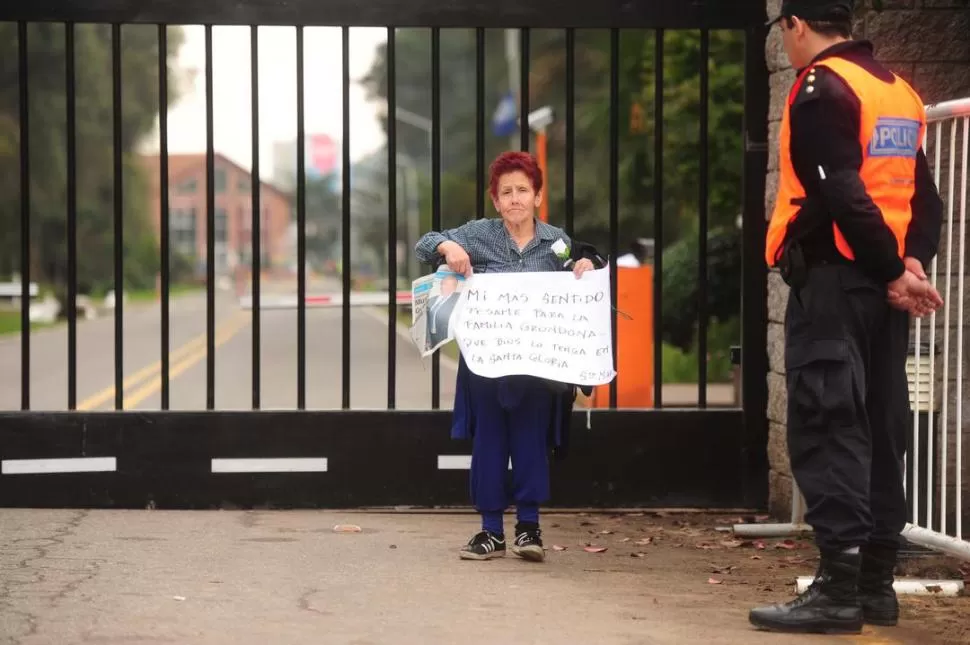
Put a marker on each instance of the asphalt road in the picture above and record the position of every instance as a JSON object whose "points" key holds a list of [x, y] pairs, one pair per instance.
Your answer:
{"points": [[233, 360], [247, 578], [142, 381]]}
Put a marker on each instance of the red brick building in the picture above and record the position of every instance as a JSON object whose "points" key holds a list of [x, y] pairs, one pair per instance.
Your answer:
{"points": [[233, 212]]}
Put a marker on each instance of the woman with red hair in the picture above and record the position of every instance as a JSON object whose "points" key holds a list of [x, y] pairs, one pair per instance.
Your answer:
{"points": [[512, 416]]}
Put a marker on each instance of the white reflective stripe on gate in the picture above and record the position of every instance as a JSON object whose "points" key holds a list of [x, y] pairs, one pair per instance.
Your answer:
{"points": [[52, 466], [271, 465], [458, 462]]}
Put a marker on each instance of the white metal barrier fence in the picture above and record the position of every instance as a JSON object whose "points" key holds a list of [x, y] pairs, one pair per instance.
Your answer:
{"points": [[937, 396]]}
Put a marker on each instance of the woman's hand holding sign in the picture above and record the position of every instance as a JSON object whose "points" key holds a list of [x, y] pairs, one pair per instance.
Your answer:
{"points": [[456, 257], [582, 266]]}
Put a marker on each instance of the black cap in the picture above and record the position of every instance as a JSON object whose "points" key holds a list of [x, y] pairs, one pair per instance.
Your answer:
{"points": [[815, 10]]}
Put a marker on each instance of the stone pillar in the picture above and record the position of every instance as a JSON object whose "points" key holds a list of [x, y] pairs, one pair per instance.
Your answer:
{"points": [[927, 42]]}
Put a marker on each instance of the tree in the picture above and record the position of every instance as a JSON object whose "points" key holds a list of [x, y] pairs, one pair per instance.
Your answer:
{"points": [[680, 284], [592, 115], [94, 141]]}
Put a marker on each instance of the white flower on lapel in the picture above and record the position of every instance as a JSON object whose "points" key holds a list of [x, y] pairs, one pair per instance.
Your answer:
{"points": [[560, 249]]}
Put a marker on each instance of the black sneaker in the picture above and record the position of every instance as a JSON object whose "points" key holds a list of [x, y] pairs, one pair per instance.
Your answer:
{"points": [[528, 542], [484, 546]]}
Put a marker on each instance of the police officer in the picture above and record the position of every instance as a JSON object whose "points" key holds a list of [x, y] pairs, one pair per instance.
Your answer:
{"points": [[857, 217]]}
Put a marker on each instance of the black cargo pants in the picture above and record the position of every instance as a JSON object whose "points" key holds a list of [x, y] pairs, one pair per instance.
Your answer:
{"points": [[848, 406]]}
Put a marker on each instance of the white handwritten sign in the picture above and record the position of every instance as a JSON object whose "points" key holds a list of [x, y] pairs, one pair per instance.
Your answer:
{"points": [[548, 325]]}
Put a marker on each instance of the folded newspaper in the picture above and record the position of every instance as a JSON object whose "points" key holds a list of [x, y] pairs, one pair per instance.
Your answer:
{"points": [[434, 300]]}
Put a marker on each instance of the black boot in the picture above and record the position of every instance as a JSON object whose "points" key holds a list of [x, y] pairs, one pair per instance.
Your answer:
{"points": [[829, 606], [876, 593]]}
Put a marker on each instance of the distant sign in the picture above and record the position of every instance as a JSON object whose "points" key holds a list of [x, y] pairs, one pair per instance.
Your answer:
{"points": [[322, 153]]}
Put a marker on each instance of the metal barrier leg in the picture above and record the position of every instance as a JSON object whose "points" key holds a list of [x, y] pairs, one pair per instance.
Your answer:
{"points": [[797, 525]]}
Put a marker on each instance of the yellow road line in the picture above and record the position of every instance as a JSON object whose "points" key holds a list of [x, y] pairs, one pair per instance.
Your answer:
{"points": [[132, 400], [100, 398]]}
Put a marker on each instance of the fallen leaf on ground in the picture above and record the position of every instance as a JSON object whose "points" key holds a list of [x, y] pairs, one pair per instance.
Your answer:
{"points": [[626, 539], [717, 569], [786, 544], [713, 581], [705, 546], [557, 547], [638, 555], [594, 549], [759, 545], [635, 514], [346, 528], [643, 541], [732, 544], [606, 532], [756, 557]]}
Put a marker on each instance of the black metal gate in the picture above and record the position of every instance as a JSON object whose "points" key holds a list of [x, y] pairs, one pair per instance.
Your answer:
{"points": [[698, 456]]}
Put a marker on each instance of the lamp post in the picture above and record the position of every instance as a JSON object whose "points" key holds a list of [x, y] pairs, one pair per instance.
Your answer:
{"points": [[539, 121]]}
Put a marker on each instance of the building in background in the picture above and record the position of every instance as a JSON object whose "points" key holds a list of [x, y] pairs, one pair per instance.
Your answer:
{"points": [[233, 213]]}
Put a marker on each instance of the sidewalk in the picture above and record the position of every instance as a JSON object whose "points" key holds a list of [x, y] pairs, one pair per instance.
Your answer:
{"points": [[206, 577]]}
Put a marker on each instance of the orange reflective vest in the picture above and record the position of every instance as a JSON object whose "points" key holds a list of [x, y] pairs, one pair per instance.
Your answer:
{"points": [[893, 122]]}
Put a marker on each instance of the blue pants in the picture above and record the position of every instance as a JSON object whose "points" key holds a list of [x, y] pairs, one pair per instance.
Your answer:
{"points": [[512, 416]]}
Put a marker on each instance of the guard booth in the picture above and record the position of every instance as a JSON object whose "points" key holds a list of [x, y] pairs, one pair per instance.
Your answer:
{"points": [[274, 444]]}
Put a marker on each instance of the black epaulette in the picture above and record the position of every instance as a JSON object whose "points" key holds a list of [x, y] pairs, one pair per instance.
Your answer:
{"points": [[810, 89]]}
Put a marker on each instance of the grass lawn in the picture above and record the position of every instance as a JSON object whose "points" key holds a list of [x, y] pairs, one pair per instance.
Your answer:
{"points": [[10, 323], [148, 295]]}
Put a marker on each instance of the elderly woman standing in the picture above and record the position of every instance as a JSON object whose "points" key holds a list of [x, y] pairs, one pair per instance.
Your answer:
{"points": [[513, 416]]}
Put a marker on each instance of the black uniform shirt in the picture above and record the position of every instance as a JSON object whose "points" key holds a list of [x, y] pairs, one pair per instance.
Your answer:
{"points": [[825, 121]]}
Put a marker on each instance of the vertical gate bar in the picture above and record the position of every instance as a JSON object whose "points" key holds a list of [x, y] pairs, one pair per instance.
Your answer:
{"points": [[391, 62], [255, 216], [570, 127], [435, 182], [480, 122], [658, 214], [959, 363], [614, 192], [702, 224], [210, 233], [119, 238], [164, 223], [345, 241], [300, 228], [24, 217], [754, 273], [69, 93], [524, 89]]}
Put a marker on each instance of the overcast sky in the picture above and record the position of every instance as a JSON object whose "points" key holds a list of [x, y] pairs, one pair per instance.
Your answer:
{"points": [[277, 91]]}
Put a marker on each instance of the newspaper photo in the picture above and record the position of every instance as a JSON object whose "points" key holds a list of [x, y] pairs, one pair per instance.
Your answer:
{"points": [[434, 300]]}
